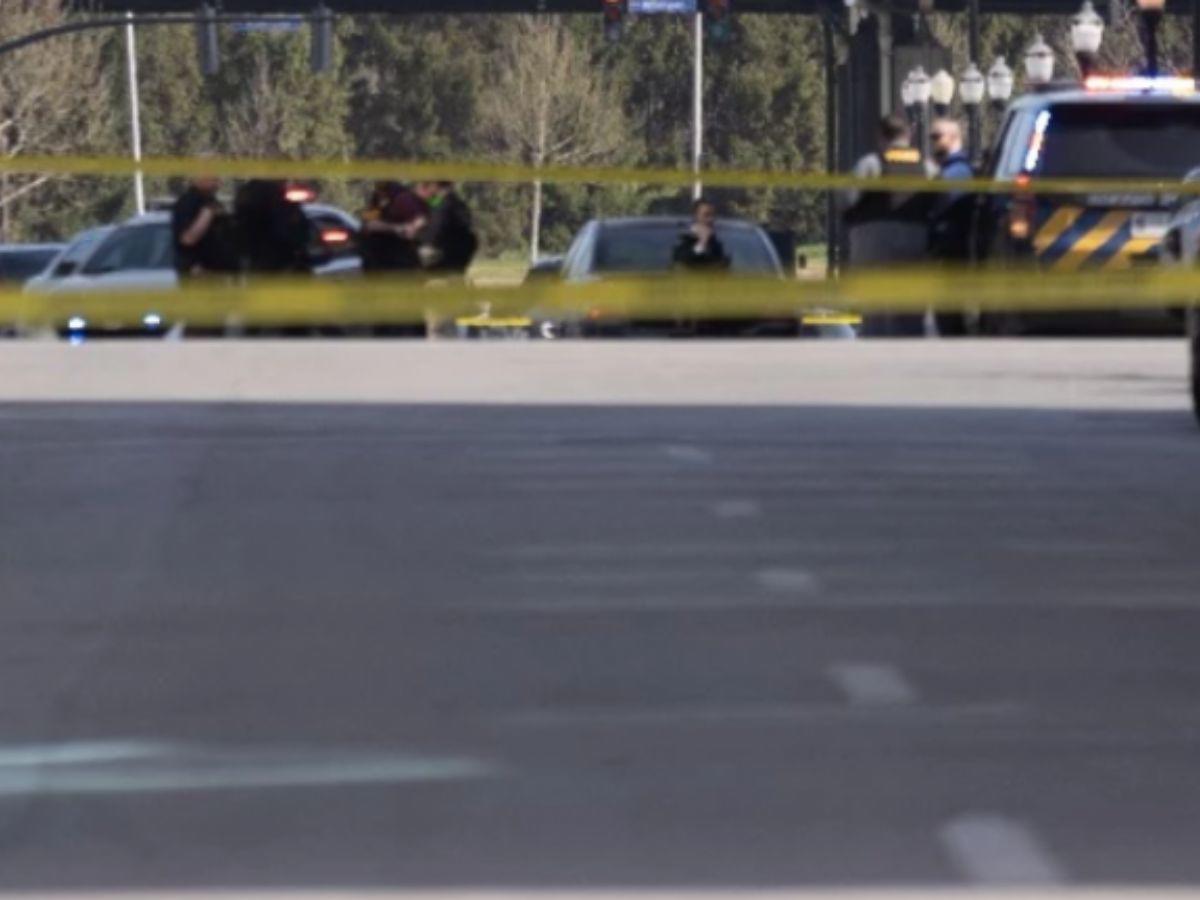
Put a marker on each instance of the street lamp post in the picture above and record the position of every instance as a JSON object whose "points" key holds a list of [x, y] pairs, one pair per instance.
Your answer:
{"points": [[941, 89], [1152, 11], [1000, 82], [922, 89], [971, 88], [1087, 31], [1039, 62]]}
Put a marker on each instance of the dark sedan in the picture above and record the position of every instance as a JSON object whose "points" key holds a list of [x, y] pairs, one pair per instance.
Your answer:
{"points": [[608, 248]]}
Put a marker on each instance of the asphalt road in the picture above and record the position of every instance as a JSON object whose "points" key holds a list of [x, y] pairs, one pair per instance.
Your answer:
{"points": [[505, 645]]}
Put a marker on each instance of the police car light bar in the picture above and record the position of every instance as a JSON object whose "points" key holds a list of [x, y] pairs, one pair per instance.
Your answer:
{"points": [[1161, 84]]}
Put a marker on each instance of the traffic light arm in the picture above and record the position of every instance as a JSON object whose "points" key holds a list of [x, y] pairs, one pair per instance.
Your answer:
{"points": [[35, 37]]}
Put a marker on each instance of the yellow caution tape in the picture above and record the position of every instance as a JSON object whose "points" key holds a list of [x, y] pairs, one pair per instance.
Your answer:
{"points": [[372, 301], [493, 172]]}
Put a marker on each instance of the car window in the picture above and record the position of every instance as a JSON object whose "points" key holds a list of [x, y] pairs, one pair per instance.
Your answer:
{"points": [[574, 265], [649, 247], [1121, 140], [1015, 143], [77, 251], [133, 247], [19, 265]]}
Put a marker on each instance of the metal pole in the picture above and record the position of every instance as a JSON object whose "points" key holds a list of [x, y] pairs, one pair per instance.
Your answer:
{"points": [[832, 141], [973, 134], [698, 105], [36, 37], [973, 49], [1152, 18], [923, 115], [135, 115]]}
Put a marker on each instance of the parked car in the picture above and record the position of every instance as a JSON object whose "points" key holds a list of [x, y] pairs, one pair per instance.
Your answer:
{"points": [[645, 245], [138, 255], [68, 260], [20, 262]]}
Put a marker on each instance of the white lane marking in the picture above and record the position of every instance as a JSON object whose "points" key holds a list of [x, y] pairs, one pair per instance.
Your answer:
{"points": [[916, 717], [797, 581], [576, 605], [872, 684], [651, 548], [994, 850], [736, 509], [91, 768], [77, 753], [687, 453], [617, 577]]}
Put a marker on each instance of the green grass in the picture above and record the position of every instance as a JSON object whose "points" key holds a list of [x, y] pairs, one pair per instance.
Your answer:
{"points": [[506, 269]]}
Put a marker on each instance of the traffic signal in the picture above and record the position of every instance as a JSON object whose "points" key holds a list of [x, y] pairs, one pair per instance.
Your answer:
{"points": [[718, 20], [321, 55], [207, 41], [614, 19]]}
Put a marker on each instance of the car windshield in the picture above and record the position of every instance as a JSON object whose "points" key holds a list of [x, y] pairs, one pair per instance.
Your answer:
{"points": [[1121, 140], [78, 250], [18, 265], [648, 247], [133, 247]]}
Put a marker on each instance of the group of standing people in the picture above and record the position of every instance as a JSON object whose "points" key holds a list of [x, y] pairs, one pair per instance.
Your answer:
{"points": [[890, 228], [425, 228]]}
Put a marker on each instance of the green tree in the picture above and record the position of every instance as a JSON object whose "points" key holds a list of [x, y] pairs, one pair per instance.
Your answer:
{"points": [[49, 106], [546, 107]]}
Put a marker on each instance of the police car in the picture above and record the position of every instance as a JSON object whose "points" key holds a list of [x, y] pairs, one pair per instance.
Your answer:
{"points": [[1181, 247], [1109, 128], [1194, 342]]}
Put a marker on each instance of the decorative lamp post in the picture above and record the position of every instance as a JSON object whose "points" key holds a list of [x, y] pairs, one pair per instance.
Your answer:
{"points": [[1152, 11], [1039, 62], [941, 88], [922, 89], [1000, 82], [971, 88], [1087, 31]]}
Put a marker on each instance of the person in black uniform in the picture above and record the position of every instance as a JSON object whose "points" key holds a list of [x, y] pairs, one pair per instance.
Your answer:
{"points": [[447, 239], [889, 228], [274, 231], [699, 248], [200, 230]]}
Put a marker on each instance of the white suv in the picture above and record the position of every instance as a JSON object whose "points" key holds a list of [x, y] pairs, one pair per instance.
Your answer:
{"points": [[139, 255]]}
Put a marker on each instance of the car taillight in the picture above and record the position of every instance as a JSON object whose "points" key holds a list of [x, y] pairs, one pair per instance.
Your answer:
{"points": [[335, 236], [300, 194], [1021, 211]]}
